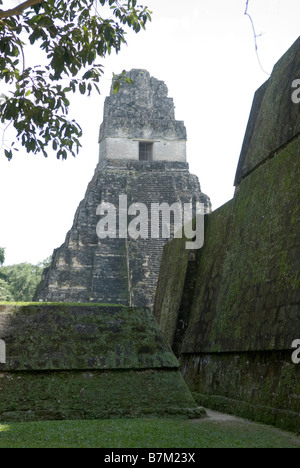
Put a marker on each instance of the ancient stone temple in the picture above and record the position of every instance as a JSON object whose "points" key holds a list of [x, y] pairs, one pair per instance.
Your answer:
{"points": [[142, 162]]}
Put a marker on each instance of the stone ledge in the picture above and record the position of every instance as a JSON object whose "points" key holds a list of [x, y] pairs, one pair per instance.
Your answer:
{"points": [[32, 396], [68, 337], [139, 166]]}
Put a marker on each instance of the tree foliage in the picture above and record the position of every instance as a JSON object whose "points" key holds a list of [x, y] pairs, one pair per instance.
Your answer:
{"points": [[2, 256], [72, 35], [5, 294], [18, 283]]}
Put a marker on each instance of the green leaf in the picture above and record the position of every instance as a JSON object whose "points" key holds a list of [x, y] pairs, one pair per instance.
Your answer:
{"points": [[88, 75], [8, 154], [82, 88]]}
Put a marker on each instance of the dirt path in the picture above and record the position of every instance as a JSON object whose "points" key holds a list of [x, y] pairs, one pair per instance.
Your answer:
{"points": [[215, 416], [235, 420]]}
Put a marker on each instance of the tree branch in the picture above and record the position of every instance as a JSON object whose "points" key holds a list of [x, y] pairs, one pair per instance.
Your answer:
{"points": [[18, 10], [255, 37]]}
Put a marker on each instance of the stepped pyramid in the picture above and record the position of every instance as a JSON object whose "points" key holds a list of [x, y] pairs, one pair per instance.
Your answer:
{"points": [[87, 361], [143, 157]]}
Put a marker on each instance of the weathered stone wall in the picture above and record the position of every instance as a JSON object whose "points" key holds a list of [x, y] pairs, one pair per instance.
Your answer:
{"points": [[77, 362], [263, 385], [232, 312], [141, 111], [274, 118], [125, 148]]}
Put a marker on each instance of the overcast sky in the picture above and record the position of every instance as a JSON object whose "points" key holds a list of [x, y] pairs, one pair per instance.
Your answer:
{"points": [[204, 51]]}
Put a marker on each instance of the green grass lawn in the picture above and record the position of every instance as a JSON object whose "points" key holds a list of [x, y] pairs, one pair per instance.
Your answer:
{"points": [[144, 433]]}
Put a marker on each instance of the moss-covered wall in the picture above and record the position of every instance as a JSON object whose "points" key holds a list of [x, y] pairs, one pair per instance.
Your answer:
{"points": [[241, 310], [87, 361], [47, 337], [247, 290], [94, 395], [263, 386], [170, 286], [274, 119]]}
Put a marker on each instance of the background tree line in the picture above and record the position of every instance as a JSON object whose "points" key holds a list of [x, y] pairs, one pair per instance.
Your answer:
{"points": [[18, 283]]}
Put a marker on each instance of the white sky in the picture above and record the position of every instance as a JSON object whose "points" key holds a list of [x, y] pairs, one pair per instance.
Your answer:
{"points": [[204, 51]]}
